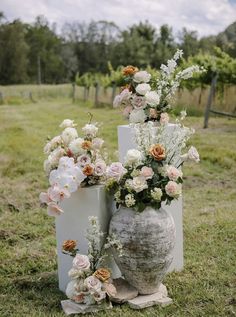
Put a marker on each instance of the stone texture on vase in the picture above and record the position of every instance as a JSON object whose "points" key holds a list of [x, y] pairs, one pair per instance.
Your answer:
{"points": [[148, 240], [126, 142]]}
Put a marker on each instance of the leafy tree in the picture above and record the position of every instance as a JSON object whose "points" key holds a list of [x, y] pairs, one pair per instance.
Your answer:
{"points": [[164, 46], [46, 64], [13, 55], [189, 42]]}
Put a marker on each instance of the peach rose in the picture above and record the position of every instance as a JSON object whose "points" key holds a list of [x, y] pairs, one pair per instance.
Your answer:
{"points": [[152, 113], [102, 274], [86, 145], [129, 70], [164, 119], [110, 289], [69, 245], [158, 152], [88, 170]]}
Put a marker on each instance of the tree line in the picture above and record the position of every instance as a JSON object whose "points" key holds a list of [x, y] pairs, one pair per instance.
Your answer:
{"points": [[37, 53]]}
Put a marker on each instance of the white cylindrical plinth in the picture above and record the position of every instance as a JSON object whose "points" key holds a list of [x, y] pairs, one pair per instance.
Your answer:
{"points": [[73, 223], [126, 142]]}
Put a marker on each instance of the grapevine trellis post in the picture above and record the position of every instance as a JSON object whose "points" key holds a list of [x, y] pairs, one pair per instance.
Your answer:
{"points": [[96, 101], [73, 92], [113, 91], [209, 109]]}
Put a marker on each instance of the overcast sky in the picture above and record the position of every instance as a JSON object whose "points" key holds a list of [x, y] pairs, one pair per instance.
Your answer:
{"points": [[205, 16]]}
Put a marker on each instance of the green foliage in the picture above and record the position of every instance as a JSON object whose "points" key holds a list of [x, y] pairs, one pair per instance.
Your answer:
{"points": [[13, 53], [219, 63], [44, 56]]}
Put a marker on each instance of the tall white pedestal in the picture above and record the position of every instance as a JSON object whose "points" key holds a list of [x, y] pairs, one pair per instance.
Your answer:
{"points": [[73, 223], [126, 142]]}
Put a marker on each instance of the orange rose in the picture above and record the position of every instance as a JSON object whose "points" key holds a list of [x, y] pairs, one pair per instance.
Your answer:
{"points": [[69, 245], [86, 145], [158, 152], [102, 274], [129, 70], [88, 170]]}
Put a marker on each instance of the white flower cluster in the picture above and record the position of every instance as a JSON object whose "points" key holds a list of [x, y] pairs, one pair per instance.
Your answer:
{"points": [[143, 103], [89, 284], [72, 161]]}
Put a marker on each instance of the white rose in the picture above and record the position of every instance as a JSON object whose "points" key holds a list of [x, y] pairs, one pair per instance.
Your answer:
{"points": [[173, 189], [53, 144], [139, 184], [137, 116], [76, 146], [133, 157], [97, 143], [142, 89], [55, 156], [192, 155], [67, 123], [152, 98], [81, 262], [68, 135], [90, 130], [142, 77], [93, 284]]}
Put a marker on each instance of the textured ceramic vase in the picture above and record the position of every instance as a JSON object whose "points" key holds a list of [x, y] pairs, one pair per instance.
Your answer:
{"points": [[148, 239]]}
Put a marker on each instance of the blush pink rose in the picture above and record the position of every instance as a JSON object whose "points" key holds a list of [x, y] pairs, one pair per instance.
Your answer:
{"points": [[81, 262], [147, 172], [173, 189], [116, 170], [173, 173]]}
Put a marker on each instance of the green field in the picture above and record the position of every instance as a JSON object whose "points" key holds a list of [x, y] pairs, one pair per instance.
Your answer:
{"points": [[28, 280]]}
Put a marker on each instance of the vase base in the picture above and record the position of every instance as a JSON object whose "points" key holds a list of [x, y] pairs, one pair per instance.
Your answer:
{"points": [[159, 298]]}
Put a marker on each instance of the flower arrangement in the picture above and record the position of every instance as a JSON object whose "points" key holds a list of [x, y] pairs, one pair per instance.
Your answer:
{"points": [[72, 162], [145, 98], [91, 282], [151, 173]]}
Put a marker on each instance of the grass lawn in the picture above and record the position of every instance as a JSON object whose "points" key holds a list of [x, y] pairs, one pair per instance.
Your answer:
{"points": [[28, 280]]}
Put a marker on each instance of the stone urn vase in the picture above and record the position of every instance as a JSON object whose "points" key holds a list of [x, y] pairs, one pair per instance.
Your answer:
{"points": [[148, 239]]}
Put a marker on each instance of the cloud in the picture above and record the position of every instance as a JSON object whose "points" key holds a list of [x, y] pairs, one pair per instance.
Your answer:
{"points": [[205, 16]]}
